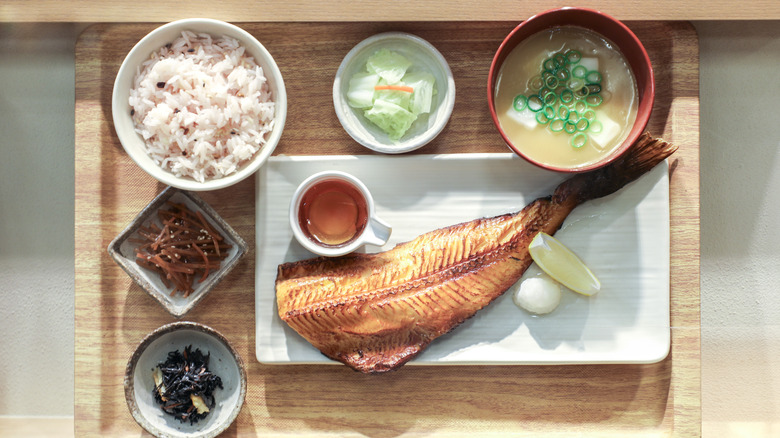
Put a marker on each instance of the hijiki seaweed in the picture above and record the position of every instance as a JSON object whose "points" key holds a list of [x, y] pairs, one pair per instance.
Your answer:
{"points": [[184, 386], [184, 249]]}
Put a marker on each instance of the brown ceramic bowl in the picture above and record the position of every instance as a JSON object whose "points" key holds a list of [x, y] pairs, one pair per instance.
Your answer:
{"points": [[611, 29]]}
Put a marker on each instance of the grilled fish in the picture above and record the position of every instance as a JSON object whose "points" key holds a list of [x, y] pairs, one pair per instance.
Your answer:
{"points": [[375, 312]]}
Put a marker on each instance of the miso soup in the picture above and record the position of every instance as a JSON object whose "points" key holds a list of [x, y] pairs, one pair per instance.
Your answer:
{"points": [[566, 97]]}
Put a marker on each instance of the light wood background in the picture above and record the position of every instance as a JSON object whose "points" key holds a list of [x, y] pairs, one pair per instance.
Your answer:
{"points": [[93, 11], [113, 314]]}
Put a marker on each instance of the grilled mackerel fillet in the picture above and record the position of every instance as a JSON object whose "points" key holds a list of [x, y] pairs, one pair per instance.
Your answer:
{"points": [[375, 312]]}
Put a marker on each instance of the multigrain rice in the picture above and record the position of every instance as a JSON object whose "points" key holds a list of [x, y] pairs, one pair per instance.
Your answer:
{"points": [[202, 105]]}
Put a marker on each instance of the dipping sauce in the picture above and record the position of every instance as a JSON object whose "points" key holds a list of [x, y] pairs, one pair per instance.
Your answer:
{"points": [[332, 212], [566, 97]]}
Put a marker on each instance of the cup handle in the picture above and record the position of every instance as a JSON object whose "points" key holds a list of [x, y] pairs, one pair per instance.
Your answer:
{"points": [[377, 232]]}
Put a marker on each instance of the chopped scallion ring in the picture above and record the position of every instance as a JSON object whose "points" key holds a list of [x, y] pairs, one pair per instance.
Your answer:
{"points": [[520, 103], [549, 111], [580, 106], [575, 83], [581, 93], [551, 82], [594, 88], [563, 112], [596, 126], [550, 98], [594, 100], [582, 124], [579, 71], [579, 140], [589, 115], [542, 118], [536, 83], [535, 103], [549, 64], [573, 56], [562, 75], [556, 125], [572, 116], [593, 77], [559, 60], [569, 127], [566, 95]]}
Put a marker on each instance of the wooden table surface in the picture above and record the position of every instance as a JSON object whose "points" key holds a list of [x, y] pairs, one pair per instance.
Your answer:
{"points": [[113, 314]]}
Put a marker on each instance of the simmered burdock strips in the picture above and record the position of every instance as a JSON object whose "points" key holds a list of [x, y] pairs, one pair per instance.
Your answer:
{"points": [[184, 250]]}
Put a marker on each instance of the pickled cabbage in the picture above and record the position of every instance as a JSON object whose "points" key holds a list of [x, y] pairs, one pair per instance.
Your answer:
{"points": [[391, 92]]}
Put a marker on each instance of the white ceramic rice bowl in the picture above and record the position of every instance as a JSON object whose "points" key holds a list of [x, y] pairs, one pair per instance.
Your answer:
{"points": [[422, 54], [134, 144]]}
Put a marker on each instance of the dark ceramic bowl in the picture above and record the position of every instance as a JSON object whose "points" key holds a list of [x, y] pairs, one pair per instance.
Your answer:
{"points": [[611, 29]]}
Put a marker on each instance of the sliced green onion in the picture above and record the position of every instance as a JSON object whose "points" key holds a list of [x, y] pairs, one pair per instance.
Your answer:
{"points": [[579, 140], [594, 88], [559, 60], [542, 118], [562, 75], [589, 115], [573, 56], [596, 126], [594, 77], [563, 112], [579, 71], [594, 100], [548, 111], [536, 83], [548, 64], [569, 127], [575, 83], [581, 93], [566, 95], [580, 106], [535, 103], [572, 117], [551, 82], [550, 98], [520, 102], [582, 124], [557, 125]]}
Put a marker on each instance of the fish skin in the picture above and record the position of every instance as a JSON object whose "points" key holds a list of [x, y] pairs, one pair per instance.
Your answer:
{"points": [[375, 312]]}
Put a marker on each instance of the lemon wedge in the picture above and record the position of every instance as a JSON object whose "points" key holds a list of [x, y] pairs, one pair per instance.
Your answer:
{"points": [[562, 264]]}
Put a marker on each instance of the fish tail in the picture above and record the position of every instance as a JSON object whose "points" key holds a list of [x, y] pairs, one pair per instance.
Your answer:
{"points": [[643, 155]]}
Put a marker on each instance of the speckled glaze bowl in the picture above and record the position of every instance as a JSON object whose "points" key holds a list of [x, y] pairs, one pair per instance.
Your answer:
{"points": [[224, 361], [122, 250]]}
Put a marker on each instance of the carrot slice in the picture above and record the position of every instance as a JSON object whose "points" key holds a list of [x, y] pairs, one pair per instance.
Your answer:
{"points": [[395, 87]]}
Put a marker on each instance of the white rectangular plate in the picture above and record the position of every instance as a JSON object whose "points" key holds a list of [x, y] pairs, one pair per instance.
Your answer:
{"points": [[623, 238]]}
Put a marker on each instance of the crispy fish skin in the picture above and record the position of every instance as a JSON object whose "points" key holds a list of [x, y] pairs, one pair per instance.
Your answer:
{"points": [[375, 312]]}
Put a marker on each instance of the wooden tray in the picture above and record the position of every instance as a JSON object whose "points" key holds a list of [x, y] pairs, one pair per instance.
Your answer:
{"points": [[113, 314]]}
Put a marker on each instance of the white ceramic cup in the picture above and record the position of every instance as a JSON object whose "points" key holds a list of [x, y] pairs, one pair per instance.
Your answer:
{"points": [[375, 232]]}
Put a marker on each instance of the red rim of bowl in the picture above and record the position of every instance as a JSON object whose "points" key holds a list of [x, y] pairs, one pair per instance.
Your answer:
{"points": [[609, 27]]}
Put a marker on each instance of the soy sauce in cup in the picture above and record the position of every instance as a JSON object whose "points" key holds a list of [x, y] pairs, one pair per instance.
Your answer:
{"points": [[333, 212]]}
